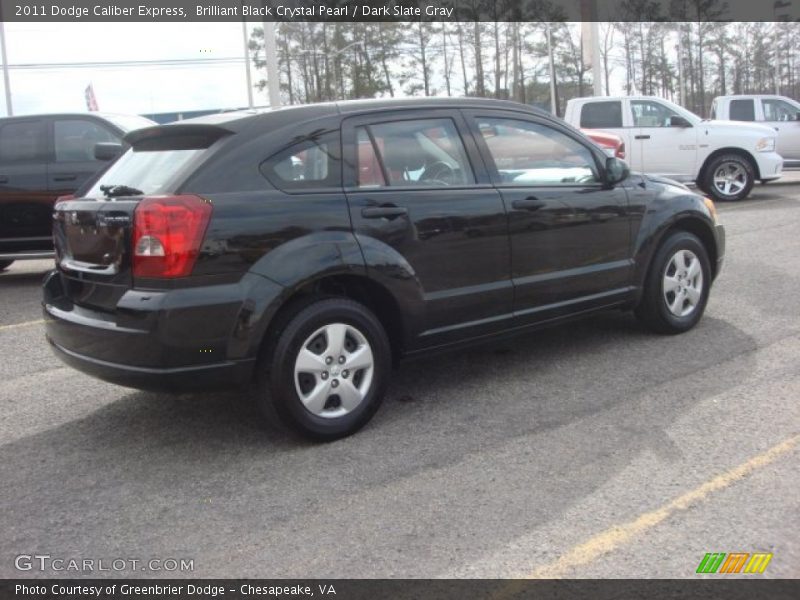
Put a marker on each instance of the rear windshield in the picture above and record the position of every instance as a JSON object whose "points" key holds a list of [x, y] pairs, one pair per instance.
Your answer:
{"points": [[149, 171]]}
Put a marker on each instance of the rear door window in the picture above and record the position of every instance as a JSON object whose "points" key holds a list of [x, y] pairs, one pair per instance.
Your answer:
{"points": [[314, 163], [743, 110], [23, 141], [601, 115], [420, 153], [74, 139]]}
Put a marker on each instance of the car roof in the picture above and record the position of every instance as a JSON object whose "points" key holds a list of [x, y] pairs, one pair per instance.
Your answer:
{"points": [[242, 119]]}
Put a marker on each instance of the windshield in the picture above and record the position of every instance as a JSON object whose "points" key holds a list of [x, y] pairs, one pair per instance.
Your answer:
{"points": [[149, 172]]}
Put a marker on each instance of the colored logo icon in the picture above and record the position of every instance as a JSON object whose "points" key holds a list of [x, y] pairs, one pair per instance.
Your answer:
{"points": [[735, 562]]}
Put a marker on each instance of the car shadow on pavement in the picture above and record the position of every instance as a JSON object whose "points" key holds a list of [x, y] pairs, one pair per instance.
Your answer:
{"points": [[156, 459]]}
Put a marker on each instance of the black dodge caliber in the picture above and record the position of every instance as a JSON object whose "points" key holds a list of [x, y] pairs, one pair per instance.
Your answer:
{"points": [[306, 249]]}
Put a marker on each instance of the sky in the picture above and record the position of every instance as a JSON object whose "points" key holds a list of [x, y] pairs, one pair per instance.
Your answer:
{"points": [[132, 89]]}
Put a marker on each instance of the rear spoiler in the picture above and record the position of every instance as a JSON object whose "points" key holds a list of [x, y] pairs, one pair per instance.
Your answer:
{"points": [[191, 136]]}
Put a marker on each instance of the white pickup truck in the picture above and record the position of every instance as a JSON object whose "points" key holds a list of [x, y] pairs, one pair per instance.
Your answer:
{"points": [[724, 158], [779, 112]]}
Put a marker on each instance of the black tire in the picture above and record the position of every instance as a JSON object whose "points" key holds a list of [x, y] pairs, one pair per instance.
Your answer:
{"points": [[279, 389], [4, 264], [653, 310], [734, 161]]}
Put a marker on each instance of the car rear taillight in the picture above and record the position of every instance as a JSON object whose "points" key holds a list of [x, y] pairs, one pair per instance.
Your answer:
{"points": [[167, 233]]}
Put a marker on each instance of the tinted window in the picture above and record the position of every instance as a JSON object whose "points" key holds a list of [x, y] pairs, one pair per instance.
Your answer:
{"points": [[599, 115], [426, 152], [22, 141], [75, 139], [743, 110], [314, 163], [527, 153], [779, 110], [651, 114], [148, 171]]}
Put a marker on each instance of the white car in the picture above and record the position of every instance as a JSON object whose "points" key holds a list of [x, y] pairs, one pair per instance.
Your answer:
{"points": [[779, 112], [724, 158]]}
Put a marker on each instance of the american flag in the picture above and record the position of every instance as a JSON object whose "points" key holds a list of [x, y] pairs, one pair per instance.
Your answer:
{"points": [[91, 101]]}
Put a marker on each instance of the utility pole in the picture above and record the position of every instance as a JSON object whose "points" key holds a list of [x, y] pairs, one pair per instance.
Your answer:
{"points": [[246, 42], [553, 95], [271, 58], [681, 82], [6, 78]]}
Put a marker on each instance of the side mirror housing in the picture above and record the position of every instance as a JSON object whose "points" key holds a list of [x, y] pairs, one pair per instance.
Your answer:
{"points": [[106, 151], [617, 170], [677, 121]]}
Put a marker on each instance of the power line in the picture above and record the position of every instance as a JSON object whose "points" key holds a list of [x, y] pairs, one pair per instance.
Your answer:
{"points": [[177, 62]]}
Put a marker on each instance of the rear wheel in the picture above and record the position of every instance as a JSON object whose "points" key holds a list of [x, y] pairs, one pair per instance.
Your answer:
{"points": [[677, 285], [729, 177], [329, 369], [4, 264]]}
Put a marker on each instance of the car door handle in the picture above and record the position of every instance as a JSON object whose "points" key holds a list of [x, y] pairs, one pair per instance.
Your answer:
{"points": [[641, 137], [383, 212], [65, 177], [530, 203]]}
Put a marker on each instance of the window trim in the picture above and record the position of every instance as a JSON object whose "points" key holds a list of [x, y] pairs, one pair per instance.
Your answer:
{"points": [[474, 115], [279, 184], [351, 124]]}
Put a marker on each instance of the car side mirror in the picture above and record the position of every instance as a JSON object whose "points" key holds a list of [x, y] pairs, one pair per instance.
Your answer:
{"points": [[677, 121], [107, 150], [617, 170]]}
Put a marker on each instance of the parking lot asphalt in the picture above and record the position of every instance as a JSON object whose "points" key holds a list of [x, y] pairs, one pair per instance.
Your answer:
{"points": [[594, 449]]}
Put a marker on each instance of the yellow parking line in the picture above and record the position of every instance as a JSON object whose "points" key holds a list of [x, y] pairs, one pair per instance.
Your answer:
{"points": [[18, 325], [614, 537]]}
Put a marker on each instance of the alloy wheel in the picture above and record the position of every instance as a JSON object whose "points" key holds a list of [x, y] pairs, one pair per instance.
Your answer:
{"points": [[683, 283]]}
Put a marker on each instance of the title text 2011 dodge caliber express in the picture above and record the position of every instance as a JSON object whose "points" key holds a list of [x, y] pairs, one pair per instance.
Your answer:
{"points": [[306, 249]]}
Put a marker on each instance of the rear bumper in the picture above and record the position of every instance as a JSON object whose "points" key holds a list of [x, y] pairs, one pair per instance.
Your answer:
{"points": [[197, 378], [185, 339]]}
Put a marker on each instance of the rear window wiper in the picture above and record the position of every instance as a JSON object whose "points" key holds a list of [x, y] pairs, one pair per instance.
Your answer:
{"points": [[112, 191]]}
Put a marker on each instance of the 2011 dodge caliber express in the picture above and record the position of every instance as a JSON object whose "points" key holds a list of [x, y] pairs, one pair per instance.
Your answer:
{"points": [[307, 248]]}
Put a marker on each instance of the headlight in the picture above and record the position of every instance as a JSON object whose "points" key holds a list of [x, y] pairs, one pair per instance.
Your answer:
{"points": [[765, 145]]}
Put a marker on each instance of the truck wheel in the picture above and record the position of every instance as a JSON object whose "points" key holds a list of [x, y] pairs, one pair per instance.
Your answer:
{"points": [[4, 264], [729, 177], [329, 369], [677, 285]]}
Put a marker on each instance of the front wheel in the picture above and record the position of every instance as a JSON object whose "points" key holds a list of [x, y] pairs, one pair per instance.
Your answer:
{"points": [[329, 369], [677, 285], [729, 178]]}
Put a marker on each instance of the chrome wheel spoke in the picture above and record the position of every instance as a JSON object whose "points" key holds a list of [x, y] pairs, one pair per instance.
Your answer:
{"points": [[349, 395], [676, 306], [693, 295], [670, 283], [308, 362], [694, 269], [335, 335], [360, 359], [316, 399]]}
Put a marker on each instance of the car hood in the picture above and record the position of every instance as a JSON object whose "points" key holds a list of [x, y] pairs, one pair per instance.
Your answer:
{"points": [[738, 128], [663, 181]]}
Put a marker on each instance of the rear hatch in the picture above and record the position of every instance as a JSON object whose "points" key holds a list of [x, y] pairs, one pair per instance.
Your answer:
{"points": [[94, 234]]}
